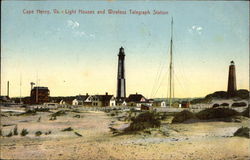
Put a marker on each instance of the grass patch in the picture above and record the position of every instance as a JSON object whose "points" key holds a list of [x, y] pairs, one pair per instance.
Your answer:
{"points": [[242, 132], [143, 121], [78, 134], [183, 116], [42, 110], [38, 133], [59, 113], [75, 111], [213, 113], [67, 129], [15, 132], [77, 116], [24, 132]]}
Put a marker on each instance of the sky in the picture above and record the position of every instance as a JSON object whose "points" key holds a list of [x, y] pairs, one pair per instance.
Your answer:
{"points": [[77, 54]]}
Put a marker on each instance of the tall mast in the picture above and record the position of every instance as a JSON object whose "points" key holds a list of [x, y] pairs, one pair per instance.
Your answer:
{"points": [[171, 67], [20, 88]]}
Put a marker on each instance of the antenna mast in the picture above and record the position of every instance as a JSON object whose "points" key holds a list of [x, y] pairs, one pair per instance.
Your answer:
{"points": [[171, 93]]}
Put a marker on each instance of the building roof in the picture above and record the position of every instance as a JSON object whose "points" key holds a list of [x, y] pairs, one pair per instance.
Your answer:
{"points": [[82, 97], [104, 97], [41, 88], [135, 98]]}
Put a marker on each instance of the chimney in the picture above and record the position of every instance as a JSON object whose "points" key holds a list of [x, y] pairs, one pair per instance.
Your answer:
{"points": [[87, 94], [8, 88], [106, 93]]}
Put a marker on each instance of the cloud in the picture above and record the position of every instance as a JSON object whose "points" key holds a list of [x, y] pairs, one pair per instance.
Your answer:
{"points": [[195, 30], [73, 24], [82, 34], [79, 33], [75, 29]]}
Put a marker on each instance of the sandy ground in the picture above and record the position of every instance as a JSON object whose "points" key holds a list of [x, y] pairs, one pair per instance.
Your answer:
{"points": [[192, 141]]}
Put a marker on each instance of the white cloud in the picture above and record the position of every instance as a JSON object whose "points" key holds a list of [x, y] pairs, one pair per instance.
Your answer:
{"points": [[195, 30], [76, 31], [199, 28], [73, 24]]}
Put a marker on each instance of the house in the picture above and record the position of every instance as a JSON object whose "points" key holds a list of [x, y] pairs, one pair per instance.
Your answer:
{"points": [[39, 95], [103, 100], [137, 100], [159, 103], [80, 99], [185, 104], [121, 103]]}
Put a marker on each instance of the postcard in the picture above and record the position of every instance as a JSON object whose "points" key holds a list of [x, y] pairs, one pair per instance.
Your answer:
{"points": [[124, 80]]}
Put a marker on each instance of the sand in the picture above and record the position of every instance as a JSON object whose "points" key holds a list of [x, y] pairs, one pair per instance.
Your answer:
{"points": [[192, 141]]}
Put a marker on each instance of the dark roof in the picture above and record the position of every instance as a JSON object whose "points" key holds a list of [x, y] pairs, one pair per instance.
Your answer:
{"points": [[58, 99], [104, 97], [135, 98], [82, 97], [40, 88]]}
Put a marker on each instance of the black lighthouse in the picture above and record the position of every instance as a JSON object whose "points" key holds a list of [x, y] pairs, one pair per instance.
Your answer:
{"points": [[231, 87], [121, 82]]}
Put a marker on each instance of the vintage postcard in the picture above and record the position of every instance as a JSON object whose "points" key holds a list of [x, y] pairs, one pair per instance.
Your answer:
{"points": [[124, 80]]}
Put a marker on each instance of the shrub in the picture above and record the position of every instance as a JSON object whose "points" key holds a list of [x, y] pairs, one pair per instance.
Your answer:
{"points": [[224, 104], [242, 132], [24, 132], [212, 113], [215, 105], [239, 104], [183, 116], [15, 131], [77, 116], [246, 112], [242, 93], [67, 129], [10, 134], [38, 133], [58, 113], [42, 109], [143, 121], [218, 95], [46, 133]]}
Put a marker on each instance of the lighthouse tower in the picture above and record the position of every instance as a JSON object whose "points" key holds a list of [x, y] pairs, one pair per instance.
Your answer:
{"points": [[231, 87], [121, 82]]}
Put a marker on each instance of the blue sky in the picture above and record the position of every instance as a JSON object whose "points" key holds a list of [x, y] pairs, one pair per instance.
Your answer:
{"points": [[75, 54]]}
